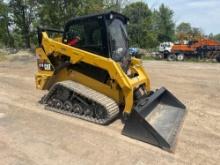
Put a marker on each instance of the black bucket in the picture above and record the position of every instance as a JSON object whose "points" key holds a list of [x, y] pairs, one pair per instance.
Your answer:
{"points": [[156, 120]]}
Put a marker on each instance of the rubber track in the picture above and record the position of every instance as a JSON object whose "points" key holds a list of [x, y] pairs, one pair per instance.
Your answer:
{"points": [[109, 104]]}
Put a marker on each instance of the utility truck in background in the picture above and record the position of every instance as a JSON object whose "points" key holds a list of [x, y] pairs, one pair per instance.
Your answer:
{"points": [[201, 49]]}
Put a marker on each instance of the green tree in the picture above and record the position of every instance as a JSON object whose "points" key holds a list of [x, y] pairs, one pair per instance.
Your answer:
{"points": [[92, 6], [184, 28], [164, 24], [186, 32], [196, 33], [183, 31], [116, 5], [217, 37], [56, 13], [23, 14], [211, 36], [140, 25], [5, 21]]}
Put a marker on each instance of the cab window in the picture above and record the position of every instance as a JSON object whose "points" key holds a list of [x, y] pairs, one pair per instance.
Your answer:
{"points": [[90, 34]]}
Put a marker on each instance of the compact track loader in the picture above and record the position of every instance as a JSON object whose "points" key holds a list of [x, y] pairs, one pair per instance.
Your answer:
{"points": [[96, 80]]}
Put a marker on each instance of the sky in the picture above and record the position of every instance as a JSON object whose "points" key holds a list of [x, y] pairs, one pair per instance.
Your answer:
{"points": [[204, 14]]}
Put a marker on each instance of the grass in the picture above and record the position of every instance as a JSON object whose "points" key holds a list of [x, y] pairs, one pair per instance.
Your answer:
{"points": [[2, 56], [148, 58], [191, 60]]}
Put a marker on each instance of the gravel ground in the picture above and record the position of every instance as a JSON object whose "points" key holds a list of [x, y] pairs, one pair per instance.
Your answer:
{"points": [[30, 135]]}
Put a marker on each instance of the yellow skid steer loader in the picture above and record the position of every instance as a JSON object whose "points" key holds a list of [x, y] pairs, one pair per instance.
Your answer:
{"points": [[90, 75]]}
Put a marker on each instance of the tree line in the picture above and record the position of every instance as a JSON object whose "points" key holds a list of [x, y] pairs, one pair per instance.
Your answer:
{"points": [[147, 28]]}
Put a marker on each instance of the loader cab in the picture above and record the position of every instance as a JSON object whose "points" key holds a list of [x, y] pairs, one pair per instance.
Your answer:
{"points": [[102, 34]]}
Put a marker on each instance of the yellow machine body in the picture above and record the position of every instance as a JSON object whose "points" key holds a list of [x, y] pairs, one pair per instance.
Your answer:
{"points": [[119, 89], [64, 70]]}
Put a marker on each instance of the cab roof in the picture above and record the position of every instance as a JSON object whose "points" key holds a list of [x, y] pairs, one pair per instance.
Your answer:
{"points": [[106, 15]]}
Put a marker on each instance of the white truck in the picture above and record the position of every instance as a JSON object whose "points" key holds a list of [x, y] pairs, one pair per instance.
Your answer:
{"points": [[165, 47], [165, 51]]}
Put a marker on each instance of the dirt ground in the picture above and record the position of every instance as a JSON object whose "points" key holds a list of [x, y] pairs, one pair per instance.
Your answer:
{"points": [[29, 135]]}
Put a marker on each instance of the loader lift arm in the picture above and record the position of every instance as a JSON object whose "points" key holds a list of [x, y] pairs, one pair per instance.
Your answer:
{"points": [[109, 73]]}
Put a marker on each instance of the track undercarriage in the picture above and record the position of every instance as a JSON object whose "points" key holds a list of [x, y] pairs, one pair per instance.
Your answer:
{"points": [[73, 99]]}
